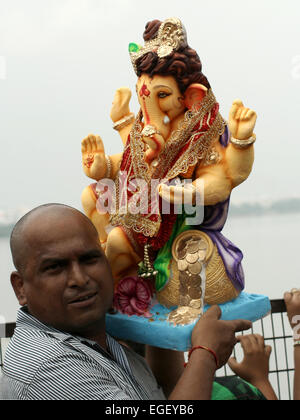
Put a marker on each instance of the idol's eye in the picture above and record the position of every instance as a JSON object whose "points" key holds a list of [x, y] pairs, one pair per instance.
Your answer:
{"points": [[162, 95]]}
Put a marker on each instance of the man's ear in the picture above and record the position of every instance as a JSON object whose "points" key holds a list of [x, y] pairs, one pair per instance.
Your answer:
{"points": [[194, 95], [17, 283]]}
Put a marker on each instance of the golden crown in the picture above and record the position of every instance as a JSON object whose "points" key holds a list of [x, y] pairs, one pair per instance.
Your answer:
{"points": [[170, 37]]}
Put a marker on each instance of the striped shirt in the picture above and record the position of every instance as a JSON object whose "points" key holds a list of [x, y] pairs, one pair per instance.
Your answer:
{"points": [[42, 363]]}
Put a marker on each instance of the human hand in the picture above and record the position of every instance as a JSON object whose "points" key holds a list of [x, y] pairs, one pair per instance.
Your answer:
{"points": [[218, 335], [120, 106], [292, 301], [93, 157], [254, 368], [242, 121]]}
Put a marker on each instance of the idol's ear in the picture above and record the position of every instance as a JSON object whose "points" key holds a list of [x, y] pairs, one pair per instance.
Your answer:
{"points": [[194, 95]]}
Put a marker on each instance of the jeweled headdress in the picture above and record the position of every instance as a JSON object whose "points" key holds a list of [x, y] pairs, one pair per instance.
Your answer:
{"points": [[170, 37]]}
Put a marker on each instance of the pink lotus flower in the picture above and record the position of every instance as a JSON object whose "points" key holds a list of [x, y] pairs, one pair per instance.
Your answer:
{"points": [[133, 297]]}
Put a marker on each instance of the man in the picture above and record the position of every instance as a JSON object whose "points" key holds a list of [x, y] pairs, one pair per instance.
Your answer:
{"points": [[60, 349]]}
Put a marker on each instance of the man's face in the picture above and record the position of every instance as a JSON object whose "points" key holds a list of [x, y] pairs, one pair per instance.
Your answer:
{"points": [[67, 282]]}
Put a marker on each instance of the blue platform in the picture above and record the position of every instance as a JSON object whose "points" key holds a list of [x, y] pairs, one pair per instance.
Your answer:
{"points": [[158, 332]]}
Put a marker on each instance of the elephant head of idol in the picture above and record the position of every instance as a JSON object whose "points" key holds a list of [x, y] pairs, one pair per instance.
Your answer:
{"points": [[170, 82]]}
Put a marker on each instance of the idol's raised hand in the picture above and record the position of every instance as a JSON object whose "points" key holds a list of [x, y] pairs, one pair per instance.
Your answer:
{"points": [[242, 120]]}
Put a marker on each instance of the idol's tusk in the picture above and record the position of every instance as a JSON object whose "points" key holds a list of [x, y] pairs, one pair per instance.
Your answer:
{"points": [[167, 120]]}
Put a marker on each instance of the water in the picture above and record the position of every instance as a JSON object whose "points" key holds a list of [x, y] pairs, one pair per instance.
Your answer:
{"points": [[8, 301], [270, 246], [269, 243]]}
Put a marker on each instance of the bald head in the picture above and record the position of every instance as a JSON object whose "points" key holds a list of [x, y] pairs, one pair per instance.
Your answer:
{"points": [[31, 227], [60, 261]]}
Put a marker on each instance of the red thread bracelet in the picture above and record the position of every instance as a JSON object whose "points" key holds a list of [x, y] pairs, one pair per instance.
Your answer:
{"points": [[203, 348]]}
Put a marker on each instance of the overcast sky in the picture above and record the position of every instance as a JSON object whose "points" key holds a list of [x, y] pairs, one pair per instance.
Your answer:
{"points": [[62, 60]]}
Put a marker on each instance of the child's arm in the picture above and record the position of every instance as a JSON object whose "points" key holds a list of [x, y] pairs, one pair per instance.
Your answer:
{"points": [[255, 366]]}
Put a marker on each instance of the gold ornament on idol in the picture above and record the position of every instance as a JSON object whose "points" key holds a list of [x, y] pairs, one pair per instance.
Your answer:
{"points": [[108, 166], [198, 276], [243, 144], [171, 36], [124, 122]]}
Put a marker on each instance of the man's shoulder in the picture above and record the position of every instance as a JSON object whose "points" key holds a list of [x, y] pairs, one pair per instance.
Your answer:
{"points": [[29, 349]]}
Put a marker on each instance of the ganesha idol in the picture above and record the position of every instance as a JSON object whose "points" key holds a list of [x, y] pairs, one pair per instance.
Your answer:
{"points": [[177, 150]]}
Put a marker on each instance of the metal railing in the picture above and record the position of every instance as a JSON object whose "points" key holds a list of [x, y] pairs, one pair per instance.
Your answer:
{"points": [[276, 330]]}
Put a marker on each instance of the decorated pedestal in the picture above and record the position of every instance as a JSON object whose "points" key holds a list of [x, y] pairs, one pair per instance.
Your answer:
{"points": [[158, 332]]}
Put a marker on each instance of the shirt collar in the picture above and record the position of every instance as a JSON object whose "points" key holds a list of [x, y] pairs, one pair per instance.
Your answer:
{"points": [[28, 321], [114, 350]]}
